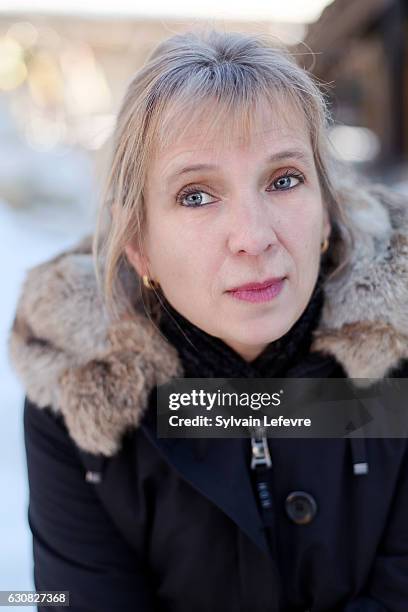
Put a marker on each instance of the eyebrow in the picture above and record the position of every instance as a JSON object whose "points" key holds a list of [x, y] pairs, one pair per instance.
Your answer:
{"points": [[280, 156]]}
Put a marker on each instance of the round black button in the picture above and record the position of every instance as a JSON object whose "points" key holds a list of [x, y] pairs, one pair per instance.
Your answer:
{"points": [[300, 507]]}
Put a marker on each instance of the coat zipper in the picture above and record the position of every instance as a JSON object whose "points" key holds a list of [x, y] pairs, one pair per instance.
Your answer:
{"points": [[260, 449], [261, 464]]}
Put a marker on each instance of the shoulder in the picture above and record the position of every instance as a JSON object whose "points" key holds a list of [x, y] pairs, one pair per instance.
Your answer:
{"points": [[94, 371], [51, 449], [364, 323], [45, 428]]}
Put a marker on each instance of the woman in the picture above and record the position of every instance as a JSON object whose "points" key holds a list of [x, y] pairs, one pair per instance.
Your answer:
{"points": [[220, 178]]}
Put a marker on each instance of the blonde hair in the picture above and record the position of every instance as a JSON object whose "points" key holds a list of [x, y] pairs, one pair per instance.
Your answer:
{"points": [[230, 74]]}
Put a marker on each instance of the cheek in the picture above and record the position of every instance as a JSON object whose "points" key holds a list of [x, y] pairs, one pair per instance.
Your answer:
{"points": [[304, 234], [180, 255]]}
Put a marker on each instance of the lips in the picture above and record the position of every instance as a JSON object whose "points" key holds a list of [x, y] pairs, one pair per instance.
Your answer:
{"points": [[258, 286]]}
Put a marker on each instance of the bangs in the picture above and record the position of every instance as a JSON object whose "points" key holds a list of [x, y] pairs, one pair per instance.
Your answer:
{"points": [[223, 118]]}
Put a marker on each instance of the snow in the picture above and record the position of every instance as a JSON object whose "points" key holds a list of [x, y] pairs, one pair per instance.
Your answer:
{"points": [[60, 213]]}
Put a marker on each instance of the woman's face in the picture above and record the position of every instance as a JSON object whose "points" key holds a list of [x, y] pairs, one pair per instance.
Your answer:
{"points": [[219, 218]]}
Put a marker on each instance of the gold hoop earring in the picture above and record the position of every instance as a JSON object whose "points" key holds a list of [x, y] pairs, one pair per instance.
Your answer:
{"points": [[324, 246], [149, 282]]}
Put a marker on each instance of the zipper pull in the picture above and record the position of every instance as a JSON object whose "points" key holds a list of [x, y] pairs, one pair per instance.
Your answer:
{"points": [[260, 450]]}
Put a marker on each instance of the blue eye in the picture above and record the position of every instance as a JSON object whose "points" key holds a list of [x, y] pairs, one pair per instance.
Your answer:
{"points": [[287, 181], [193, 197]]}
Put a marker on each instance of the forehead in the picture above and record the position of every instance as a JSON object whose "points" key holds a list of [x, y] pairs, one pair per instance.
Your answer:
{"points": [[208, 132]]}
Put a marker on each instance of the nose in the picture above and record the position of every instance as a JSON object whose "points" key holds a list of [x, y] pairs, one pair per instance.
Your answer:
{"points": [[250, 228]]}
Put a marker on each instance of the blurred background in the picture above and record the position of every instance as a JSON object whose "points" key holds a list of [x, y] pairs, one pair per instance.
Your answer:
{"points": [[64, 67]]}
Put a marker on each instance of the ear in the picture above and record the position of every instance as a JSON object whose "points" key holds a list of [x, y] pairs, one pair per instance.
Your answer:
{"points": [[133, 254], [135, 259]]}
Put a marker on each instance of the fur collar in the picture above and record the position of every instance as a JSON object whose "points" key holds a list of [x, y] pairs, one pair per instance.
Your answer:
{"points": [[98, 374]]}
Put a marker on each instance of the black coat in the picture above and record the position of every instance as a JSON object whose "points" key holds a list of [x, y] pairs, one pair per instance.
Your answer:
{"points": [[168, 528]]}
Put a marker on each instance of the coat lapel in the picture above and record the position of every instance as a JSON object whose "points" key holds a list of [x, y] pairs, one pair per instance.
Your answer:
{"points": [[220, 474]]}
